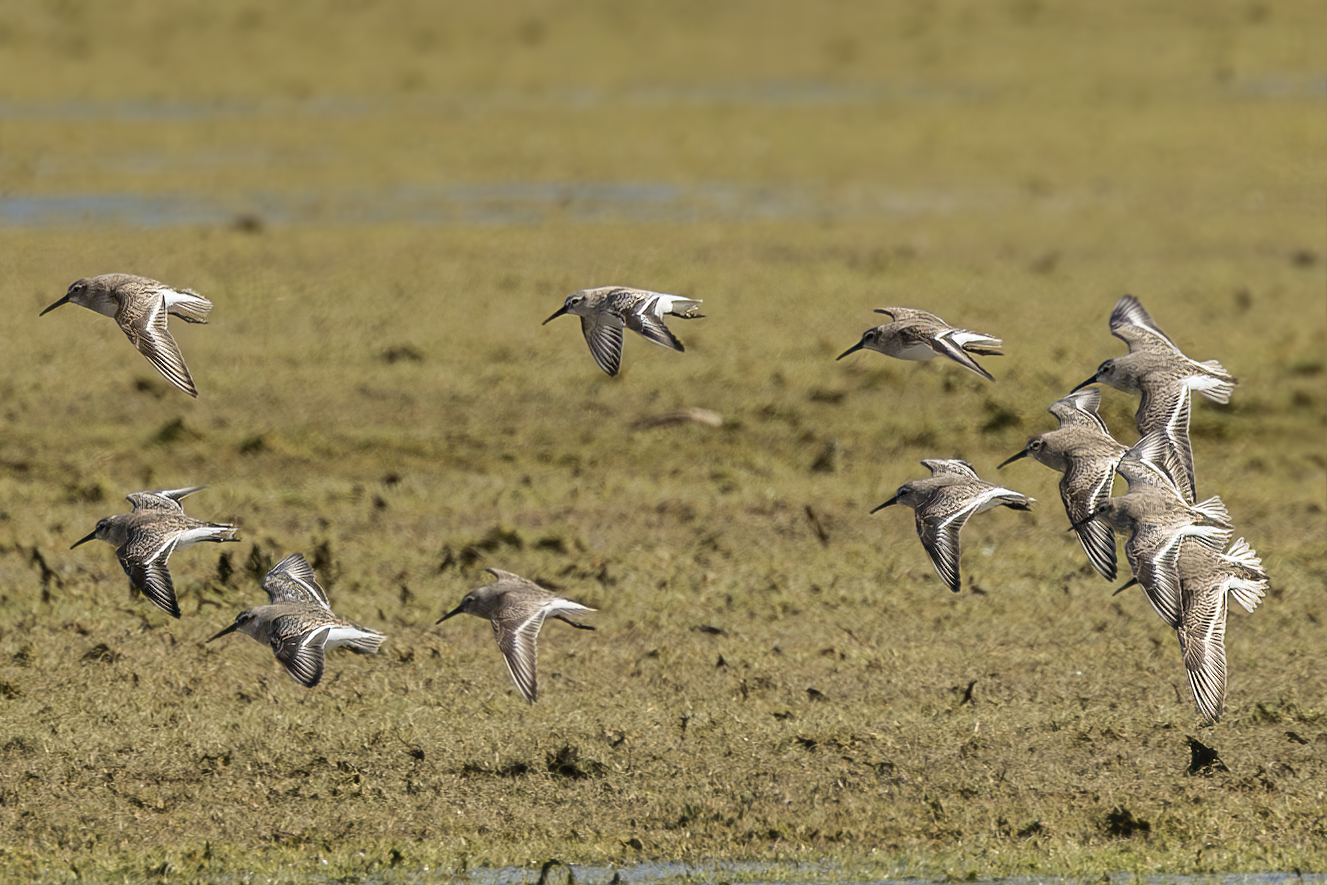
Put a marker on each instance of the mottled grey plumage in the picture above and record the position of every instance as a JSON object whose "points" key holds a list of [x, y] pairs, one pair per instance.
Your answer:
{"points": [[145, 538], [517, 608], [606, 310], [1157, 519], [918, 335], [140, 306], [1155, 369], [1206, 575], [1084, 451], [299, 624], [944, 503]]}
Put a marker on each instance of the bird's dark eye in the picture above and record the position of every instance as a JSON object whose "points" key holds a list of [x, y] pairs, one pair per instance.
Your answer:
{"points": [[1036, 445], [1105, 367]]}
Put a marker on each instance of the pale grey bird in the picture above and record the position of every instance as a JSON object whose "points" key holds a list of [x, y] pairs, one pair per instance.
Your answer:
{"points": [[606, 310], [298, 623], [1155, 516], [1084, 451], [140, 306], [145, 538], [1155, 369], [918, 335], [1207, 575], [944, 503], [517, 608]]}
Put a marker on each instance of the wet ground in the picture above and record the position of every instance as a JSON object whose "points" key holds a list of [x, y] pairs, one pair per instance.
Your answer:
{"points": [[385, 201]]}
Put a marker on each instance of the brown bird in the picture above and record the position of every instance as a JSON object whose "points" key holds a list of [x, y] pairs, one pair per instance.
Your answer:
{"points": [[140, 306], [517, 608]]}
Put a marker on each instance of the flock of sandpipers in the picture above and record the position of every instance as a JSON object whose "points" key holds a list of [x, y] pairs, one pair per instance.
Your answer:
{"points": [[1180, 551]]}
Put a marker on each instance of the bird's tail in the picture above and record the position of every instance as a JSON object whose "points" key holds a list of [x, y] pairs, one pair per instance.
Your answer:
{"points": [[1217, 386], [366, 644], [223, 532], [190, 307], [975, 342], [1016, 501], [686, 308], [1214, 509], [1248, 581]]}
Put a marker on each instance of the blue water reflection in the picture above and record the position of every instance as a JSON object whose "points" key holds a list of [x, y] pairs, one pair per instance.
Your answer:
{"points": [[515, 203]]}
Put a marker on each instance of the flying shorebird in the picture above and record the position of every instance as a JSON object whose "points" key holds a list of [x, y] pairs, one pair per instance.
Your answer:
{"points": [[918, 335], [1207, 575], [145, 538], [140, 306], [944, 503], [1084, 451], [1155, 369], [298, 622], [606, 310], [517, 608], [1157, 519]]}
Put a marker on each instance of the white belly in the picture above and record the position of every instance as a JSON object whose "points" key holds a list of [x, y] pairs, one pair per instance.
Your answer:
{"points": [[913, 352]]}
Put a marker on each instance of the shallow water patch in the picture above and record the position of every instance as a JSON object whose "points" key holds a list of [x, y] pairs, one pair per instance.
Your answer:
{"points": [[520, 203]]}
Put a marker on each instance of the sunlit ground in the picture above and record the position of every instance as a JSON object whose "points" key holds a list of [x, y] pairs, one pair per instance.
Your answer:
{"points": [[385, 203]]}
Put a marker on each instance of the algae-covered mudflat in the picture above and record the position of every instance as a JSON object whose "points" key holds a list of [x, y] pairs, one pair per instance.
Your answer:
{"points": [[384, 201]]}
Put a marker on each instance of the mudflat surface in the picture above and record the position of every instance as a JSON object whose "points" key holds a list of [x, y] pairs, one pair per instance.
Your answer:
{"points": [[385, 203]]}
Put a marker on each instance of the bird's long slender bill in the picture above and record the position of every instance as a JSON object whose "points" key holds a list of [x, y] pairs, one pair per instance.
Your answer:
{"points": [[893, 500], [1022, 454], [64, 300], [231, 629], [455, 611], [559, 312], [1087, 383], [1132, 581], [90, 537], [856, 347]]}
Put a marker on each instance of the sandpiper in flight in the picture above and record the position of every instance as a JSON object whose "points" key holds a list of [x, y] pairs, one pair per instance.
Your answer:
{"points": [[1084, 451], [944, 503], [145, 538], [299, 624], [1157, 520], [1207, 575], [918, 335], [1155, 369], [606, 310], [517, 608], [140, 306]]}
